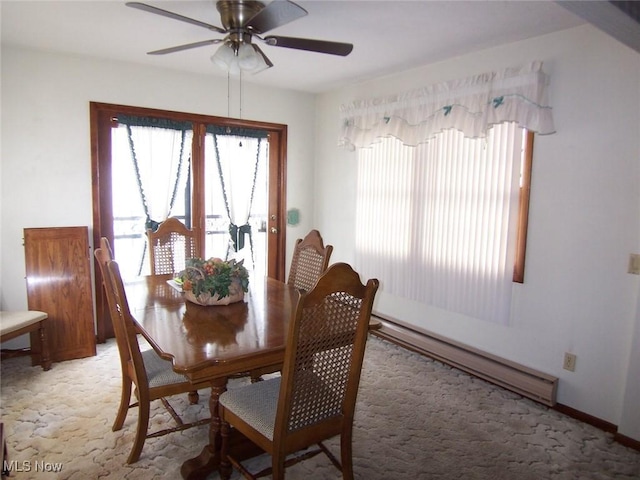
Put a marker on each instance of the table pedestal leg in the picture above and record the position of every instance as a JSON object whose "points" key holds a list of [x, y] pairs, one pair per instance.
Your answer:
{"points": [[209, 459]]}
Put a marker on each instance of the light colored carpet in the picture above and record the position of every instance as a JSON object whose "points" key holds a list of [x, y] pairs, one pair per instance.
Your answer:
{"points": [[415, 419]]}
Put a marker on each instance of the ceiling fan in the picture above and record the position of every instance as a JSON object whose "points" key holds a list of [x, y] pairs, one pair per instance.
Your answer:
{"points": [[243, 20]]}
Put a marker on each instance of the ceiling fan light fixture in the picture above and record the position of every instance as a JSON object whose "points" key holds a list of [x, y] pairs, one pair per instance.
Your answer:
{"points": [[250, 59], [224, 57], [245, 57]]}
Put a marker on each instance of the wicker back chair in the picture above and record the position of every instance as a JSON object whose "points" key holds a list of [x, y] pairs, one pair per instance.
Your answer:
{"points": [[169, 247], [315, 397], [152, 376], [310, 260]]}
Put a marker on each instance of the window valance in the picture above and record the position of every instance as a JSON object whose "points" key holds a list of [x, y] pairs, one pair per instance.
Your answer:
{"points": [[471, 105], [155, 122], [237, 131]]}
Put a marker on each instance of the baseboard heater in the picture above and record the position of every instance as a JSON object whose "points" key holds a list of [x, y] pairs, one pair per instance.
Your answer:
{"points": [[526, 381]]}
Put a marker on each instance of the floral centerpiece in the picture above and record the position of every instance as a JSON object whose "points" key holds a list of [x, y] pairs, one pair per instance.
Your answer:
{"points": [[214, 281]]}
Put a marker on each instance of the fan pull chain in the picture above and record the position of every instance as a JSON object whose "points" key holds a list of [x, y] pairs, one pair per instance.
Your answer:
{"points": [[228, 95], [240, 145]]}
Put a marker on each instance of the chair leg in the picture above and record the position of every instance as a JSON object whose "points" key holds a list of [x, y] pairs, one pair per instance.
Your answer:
{"points": [[125, 397], [225, 465], [277, 466], [194, 397], [346, 455], [141, 429]]}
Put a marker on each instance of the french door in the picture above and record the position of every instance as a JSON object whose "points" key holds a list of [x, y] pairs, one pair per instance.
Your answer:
{"points": [[220, 154]]}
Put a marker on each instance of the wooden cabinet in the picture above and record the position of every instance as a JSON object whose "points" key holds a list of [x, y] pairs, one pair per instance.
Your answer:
{"points": [[58, 273]]}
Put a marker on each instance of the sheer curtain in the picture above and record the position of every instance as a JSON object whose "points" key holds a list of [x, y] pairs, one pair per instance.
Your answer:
{"points": [[235, 155], [160, 152], [438, 187]]}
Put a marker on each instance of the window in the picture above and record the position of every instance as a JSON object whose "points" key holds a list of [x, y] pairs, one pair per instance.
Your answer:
{"points": [[444, 185], [444, 223]]}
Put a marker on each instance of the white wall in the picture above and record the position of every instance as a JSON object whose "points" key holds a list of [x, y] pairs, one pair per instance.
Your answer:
{"points": [[46, 157], [584, 219]]}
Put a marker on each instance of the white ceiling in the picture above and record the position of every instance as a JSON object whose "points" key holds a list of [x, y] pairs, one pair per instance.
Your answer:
{"points": [[388, 36]]}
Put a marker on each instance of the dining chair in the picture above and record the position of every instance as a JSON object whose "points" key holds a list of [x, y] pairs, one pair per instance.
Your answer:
{"points": [[153, 377], [169, 247], [310, 260], [104, 254], [314, 399]]}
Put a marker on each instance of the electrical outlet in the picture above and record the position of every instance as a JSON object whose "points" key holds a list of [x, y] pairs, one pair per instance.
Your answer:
{"points": [[569, 362]]}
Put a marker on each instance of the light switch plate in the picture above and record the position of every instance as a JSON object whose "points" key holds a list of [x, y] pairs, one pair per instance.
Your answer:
{"points": [[634, 263]]}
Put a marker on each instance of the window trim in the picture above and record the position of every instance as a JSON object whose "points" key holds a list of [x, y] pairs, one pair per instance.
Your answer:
{"points": [[523, 214]]}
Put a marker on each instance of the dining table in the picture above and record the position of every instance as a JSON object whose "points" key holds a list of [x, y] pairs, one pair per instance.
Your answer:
{"points": [[214, 343]]}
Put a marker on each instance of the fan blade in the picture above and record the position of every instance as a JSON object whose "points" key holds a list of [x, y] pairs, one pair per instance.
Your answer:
{"points": [[276, 14], [175, 16], [321, 46], [179, 48]]}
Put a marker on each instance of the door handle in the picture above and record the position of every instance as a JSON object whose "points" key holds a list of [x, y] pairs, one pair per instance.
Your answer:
{"points": [[273, 230]]}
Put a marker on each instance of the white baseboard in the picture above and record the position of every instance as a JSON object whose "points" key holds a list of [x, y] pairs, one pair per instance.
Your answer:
{"points": [[518, 378]]}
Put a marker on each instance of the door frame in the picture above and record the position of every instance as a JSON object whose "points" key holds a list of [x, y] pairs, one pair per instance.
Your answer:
{"points": [[102, 116]]}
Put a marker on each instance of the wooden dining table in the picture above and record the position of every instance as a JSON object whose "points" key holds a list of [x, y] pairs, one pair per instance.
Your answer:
{"points": [[214, 343]]}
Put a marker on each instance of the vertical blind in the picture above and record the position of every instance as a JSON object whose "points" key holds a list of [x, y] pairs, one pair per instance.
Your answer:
{"points": [[436, 223]]}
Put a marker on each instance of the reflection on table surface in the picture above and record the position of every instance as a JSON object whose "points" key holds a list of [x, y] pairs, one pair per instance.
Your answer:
{"points": [[205, 341]]}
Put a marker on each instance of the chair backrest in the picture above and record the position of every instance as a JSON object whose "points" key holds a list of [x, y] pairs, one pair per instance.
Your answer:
{"points": [[169, 247], [124, 329], [323, 360], [128, 328], [310, 260], [104, 255]]}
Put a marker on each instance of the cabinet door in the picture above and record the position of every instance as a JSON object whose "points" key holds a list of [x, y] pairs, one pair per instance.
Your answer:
{"points": [[58, 277]]}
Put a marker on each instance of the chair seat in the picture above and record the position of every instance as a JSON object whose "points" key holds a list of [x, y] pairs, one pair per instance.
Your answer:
{"points": [[160, 371], [13, 321], [256, 404]]}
